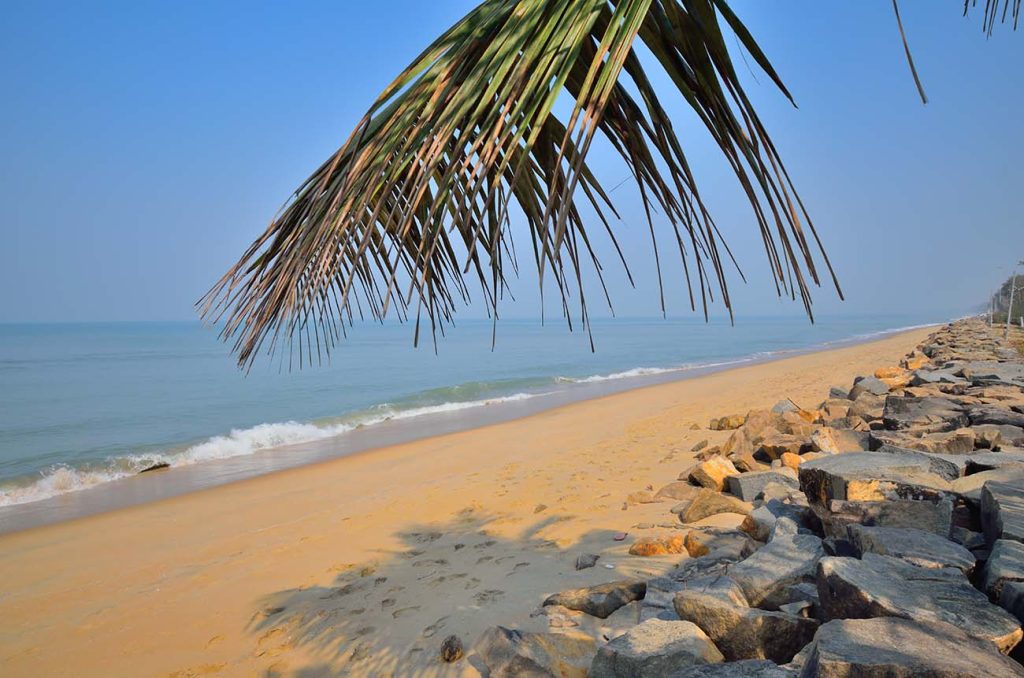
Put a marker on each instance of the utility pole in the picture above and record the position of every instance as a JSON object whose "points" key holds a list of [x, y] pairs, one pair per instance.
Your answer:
{"points": [[1009, 308]]}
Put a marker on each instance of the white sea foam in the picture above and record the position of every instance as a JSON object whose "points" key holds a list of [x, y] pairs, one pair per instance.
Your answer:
{"points": [[62, 479]]}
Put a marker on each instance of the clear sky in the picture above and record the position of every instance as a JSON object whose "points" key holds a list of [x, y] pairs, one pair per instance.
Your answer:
{"points": [[143, 145]]}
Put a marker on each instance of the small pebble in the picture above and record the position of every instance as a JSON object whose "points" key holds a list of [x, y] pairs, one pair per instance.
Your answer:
{"points": [[619, 536]]}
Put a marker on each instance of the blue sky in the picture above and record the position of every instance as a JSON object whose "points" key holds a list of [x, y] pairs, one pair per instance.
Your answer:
{"points": [[143, 145]]}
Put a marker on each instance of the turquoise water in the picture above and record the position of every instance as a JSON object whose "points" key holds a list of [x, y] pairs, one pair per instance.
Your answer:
{"points": [[84, 404]]}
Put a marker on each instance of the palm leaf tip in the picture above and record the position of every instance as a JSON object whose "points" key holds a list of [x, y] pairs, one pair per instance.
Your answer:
{"points": [[417, 204]]}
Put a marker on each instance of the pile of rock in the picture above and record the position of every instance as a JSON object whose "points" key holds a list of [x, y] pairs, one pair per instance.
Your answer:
{"points": [[883, 534]]}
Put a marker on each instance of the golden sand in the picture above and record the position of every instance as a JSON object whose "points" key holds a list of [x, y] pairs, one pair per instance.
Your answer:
{"points": [[363, 565]]}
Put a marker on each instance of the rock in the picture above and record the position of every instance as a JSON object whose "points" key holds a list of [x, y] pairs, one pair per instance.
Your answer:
{"points": [[924, 377], [733, 543], [832, 440], [451, 649], [911, 545], [639, 497], [889, 372], [654, 648], [760, 522], [930, 413], [601, 600], [867, 406], [1002, 434], [1012, 599], [160, 465], [960, 441], [709, 503], [786, 560], [727, 423], [748, 668], [586, 560], [508, 653], [791, 460], [747, 463], [713, 473], [988, 414], [750, 486], [742, 632], [969, 487], [1005, 564], [739, 443], [870, 385], [699, 446], [915, 361], [677, 490], [931, 515], [774, 445], [1002, 510], [838, 392], [901, 648], [880, 586], [870, 476], [658, 546]]}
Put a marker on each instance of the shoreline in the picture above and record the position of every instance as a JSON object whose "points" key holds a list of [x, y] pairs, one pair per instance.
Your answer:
{"points": [[363, 564], [136, 489]]}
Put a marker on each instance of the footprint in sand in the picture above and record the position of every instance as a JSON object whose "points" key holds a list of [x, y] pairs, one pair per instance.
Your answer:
{"points": [[502, 559], [436, 561], [429, 631], [489, 596], [426, 537], [516, 568], [483, 559], [485, 544], [386, 603], [472, 583], [404, 611], [365, 631]]}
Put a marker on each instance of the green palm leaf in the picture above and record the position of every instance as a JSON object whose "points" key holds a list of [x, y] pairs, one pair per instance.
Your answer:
{"points": [[417, 204]]}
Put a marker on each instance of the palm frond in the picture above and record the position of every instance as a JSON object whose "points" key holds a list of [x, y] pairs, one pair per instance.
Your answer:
{"points": [[419, 201]]}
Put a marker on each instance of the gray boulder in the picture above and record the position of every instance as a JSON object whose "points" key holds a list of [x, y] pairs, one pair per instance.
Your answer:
{"points": [[748, 668], [870, 385], [931, 515], [709, 503], [601, 600], [654, 648], [742, 632], [750, 486], [1012, 599], [990, 414], [879, 586], [508, 653], [926, 414], [788, 559], [760, 522], [870, 476], [901, 648], [1002, 510], [911, 545], [1005, 564]]}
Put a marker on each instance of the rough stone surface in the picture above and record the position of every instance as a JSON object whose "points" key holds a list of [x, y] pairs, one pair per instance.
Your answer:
{"points": [[960, 441], [917, 547], [932, 516], [833, 440], [601, 600], [508, 653], [1005, 564], [1012, 599], [709, 503], [658, 546], [929, 413], [749, 486], [586, 560], [870, 476], [742, 632], [713, 473], [1002, 510], [678, 490], [786, 560], [654, 648], [879, 586], [999, 416], [732, 542], [759, 523], [748, 668], [871, 385], [901, 648]]}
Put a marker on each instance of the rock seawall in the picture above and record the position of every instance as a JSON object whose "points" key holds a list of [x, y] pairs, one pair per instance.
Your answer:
{"points": [[878, 533]]}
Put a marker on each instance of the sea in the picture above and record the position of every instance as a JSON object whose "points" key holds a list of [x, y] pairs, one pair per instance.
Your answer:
{"points": [[86, 406]]}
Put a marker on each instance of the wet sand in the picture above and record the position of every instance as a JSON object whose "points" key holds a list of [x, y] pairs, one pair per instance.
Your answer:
{"points": [[362, 565]]}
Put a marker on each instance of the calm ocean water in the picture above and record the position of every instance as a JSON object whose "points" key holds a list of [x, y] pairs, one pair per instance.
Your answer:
{"points": [[84, 404]]}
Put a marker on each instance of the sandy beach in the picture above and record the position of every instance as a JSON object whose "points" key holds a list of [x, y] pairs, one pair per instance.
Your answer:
{"points": [[363, 564]]}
